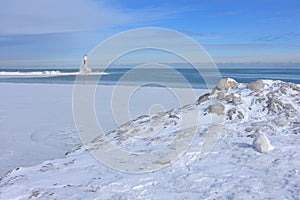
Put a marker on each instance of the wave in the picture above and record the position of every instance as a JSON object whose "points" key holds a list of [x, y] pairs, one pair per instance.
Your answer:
{"points": [[47, 73]]}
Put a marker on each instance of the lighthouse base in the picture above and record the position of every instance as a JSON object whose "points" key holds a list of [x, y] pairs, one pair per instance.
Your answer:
{"points": [[85, 70]]}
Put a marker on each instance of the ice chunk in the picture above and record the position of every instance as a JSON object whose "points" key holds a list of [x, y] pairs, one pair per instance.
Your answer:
{"points": [[261, 143]]}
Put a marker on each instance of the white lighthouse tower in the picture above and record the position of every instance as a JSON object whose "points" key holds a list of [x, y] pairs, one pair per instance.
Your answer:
{"points": [[85, 69]]}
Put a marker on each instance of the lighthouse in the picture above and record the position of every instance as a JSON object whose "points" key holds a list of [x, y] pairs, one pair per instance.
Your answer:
{"points": [[85, 69]]}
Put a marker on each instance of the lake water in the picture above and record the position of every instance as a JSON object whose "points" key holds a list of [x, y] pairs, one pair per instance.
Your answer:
{"points": [[150, 77]]}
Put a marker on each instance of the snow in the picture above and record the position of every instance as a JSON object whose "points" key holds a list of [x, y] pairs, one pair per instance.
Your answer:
{"points": [[36, 120], [44, 73], [232, 169], [261, 143], [36, 124]]}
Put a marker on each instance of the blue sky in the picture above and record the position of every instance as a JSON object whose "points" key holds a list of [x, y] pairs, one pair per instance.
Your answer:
{"points": [[53, 32]]}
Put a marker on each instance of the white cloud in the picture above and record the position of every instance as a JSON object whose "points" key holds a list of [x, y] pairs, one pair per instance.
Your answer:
{"points": [[263, 58], [54, 16]]}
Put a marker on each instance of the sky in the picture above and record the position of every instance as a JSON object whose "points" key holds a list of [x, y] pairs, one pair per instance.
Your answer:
{"points": [[60, 32]]}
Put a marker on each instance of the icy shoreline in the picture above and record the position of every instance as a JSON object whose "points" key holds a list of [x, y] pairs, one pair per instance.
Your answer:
{"points": [[37, 124], [45, 73], [232, 170]]}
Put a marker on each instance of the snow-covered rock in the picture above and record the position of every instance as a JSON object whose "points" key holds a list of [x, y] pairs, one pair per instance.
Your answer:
{"points": [[226, 83], [256, 86], [203, 98], [216, 108]]}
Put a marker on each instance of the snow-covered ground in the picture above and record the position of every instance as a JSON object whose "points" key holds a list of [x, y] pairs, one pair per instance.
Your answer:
{"points": [[234, 169], [36, 120], [36, 124]]}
